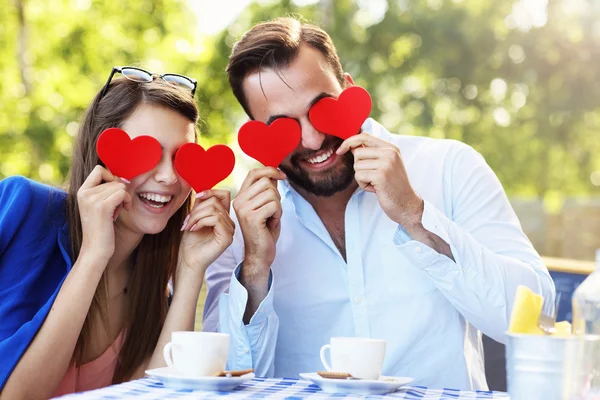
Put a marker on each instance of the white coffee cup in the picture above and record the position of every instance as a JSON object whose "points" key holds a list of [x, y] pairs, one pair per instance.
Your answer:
{"points": [[197, 353], [360, 357]]}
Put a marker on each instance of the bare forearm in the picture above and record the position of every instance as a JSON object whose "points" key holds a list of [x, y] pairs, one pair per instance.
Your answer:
{"points": [[46, 360], [181, 316], [420, 234], [257, 286], [411, 222]]}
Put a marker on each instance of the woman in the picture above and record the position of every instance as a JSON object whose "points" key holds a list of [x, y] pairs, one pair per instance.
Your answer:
{"points": [[84, 274]]}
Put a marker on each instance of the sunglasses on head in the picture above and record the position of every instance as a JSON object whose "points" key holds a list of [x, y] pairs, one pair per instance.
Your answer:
{"points": [[141, 75]]}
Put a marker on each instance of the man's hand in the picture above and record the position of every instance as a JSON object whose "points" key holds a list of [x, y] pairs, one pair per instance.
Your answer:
{"points": [[379, 168], [258, 208]]}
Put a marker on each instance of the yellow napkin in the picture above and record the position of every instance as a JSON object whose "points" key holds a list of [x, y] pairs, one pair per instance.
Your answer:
{"points": [[526, 312], [563, 329]]}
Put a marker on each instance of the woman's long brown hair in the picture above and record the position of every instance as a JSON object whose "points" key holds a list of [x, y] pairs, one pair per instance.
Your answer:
{"points": [[155, 259]]}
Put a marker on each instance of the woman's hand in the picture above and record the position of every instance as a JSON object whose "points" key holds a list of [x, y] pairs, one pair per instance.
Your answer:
{"points": [[99, 200], [208, 231]]}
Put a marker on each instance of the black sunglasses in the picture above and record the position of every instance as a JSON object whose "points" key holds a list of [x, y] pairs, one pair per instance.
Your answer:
{"points": [[141, 75]]}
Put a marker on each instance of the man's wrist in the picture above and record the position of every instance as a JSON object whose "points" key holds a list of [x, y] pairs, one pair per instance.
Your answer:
{"points": [[411, 214], [255, 278], [254, 273], [412, 224]]}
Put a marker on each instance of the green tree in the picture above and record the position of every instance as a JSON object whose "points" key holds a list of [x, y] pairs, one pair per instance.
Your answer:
{"points": [[526, 97], [56, 57]]}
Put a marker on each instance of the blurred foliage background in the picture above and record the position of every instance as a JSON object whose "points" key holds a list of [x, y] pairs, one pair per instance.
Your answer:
{"points": [[519, 81]]}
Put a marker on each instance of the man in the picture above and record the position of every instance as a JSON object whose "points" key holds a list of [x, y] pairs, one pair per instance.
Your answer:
{"points": [[407, 239]]}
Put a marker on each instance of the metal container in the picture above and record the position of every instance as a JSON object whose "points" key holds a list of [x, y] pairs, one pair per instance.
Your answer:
{"points": [[553, 368]]}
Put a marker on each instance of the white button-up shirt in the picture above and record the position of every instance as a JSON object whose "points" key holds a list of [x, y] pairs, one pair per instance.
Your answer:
{"points": [[428, 308]]}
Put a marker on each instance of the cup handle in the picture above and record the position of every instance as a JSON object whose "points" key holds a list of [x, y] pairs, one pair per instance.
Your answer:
{"points": [[167, 354], [325, 347]]}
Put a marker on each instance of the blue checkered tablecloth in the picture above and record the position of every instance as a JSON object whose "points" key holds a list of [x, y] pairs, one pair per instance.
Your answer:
{"points": [[259, 388]]}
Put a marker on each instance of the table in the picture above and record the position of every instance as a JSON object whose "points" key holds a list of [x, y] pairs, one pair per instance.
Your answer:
{"points": [[260, 388]]}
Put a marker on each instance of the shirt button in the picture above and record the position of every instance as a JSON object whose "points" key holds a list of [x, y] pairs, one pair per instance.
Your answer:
{"points": [[418, 249], [246, 351], [357, 299]]}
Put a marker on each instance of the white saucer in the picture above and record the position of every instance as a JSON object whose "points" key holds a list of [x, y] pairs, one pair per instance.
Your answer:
{"points": [[385, 384], [173, 379]]}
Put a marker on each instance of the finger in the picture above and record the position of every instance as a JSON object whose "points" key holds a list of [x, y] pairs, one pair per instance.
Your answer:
{"points": [[272, 212], [367, 153], [218, 222], [227, 224], [367, 165], [363, 139], [271, 209], [211, 206], [229, 221], [276, 218], [258, 173], [365, 178], [224, 197], [97, 176], [127, 200], [204, 222], [95, 190], [193, 218], [223, 230], [364, 184], [262, 185], [260, 200], [207, 210], [220, 229], [106, 190], [102, 191], [115, 200], [127, 203], [116, 212]]}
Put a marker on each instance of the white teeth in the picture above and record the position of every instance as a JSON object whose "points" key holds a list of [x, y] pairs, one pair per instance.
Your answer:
{"points": [[156, 197], [320, 158]]}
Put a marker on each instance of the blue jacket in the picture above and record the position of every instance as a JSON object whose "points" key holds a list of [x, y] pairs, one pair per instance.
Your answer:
{"points": [[34, 261]]}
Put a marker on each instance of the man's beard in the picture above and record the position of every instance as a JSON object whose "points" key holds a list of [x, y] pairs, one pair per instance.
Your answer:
{"points": [[329, 183]]}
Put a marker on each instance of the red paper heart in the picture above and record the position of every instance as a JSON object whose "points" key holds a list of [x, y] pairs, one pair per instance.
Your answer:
{"points": [[342, 117], [127, 158], [203, 169], [269, 144]]}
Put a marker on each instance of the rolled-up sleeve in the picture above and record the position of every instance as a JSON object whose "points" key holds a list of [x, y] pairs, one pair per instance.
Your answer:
{"points": [[252, 345], [492, 255]]}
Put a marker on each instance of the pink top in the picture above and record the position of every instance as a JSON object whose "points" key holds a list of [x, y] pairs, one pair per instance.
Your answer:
{"points": [[93, 375]]}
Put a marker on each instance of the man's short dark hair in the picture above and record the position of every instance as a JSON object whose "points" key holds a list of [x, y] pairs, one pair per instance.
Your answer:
{"points": [[275, 44]]}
